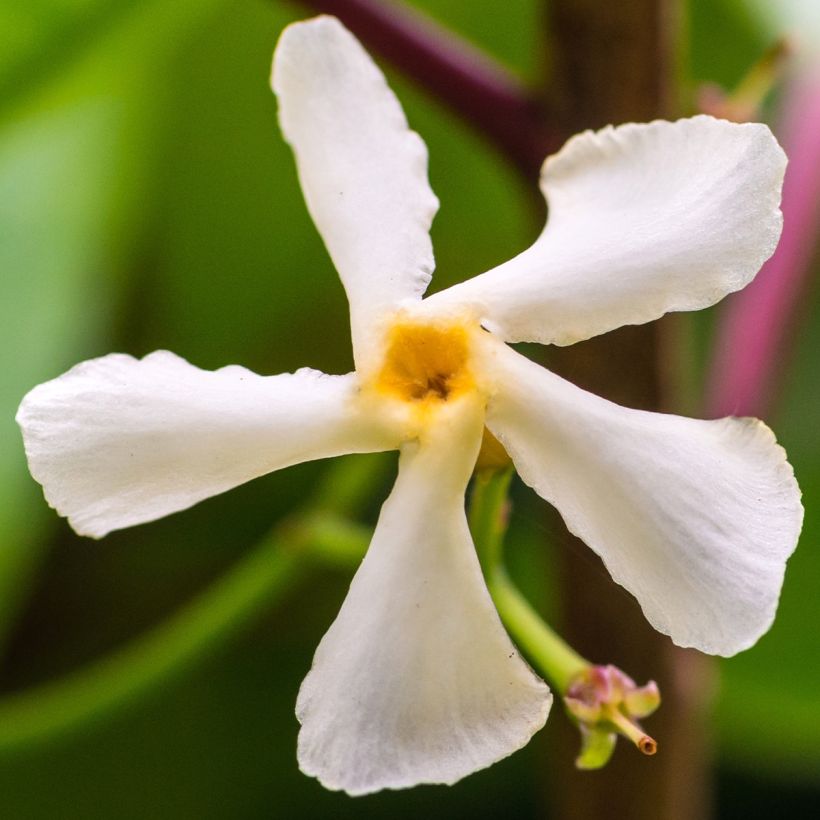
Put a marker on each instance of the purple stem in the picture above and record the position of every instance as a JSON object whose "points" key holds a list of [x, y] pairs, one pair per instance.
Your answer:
{"points": [[474, 86], [758, 323]]}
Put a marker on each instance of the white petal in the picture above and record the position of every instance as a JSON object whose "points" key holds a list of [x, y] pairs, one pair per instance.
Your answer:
{"points": [[643, 219], [363, 171], [118, 441], [416, 681], [695, 518]]}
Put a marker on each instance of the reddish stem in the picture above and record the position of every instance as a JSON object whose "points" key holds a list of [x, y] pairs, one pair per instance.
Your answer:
{"points": [[759, 322], [471, 84]]}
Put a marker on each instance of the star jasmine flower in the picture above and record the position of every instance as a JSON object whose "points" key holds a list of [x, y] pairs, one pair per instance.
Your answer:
{"points": [[417, 681]]}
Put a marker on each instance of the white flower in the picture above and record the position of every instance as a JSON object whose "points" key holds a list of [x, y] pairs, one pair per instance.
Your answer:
{"points": [[416, 681]]}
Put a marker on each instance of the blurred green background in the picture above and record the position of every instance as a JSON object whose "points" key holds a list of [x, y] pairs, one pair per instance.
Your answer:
{"points": [[148, 201]]}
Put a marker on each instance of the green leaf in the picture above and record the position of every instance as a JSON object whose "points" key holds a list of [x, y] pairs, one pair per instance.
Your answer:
{"points": [[73, 156], [55, 203]]}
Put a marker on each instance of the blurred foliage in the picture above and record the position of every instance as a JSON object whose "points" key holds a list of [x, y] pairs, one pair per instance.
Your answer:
{"points": [[769, 700], [725, 38], [148, 201]]}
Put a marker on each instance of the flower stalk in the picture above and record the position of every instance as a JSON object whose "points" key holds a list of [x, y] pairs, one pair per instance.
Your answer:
{"points": [[489, 508], [602, 700]]}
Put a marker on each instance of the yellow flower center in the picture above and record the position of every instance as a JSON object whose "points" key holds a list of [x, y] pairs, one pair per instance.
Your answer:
{"points": [[426, 363]]}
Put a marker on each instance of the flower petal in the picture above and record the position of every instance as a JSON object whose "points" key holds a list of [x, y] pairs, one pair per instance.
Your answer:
{"points": [[118, 441], [695, 518], [644, 219], [363, 171], [416, 681]]}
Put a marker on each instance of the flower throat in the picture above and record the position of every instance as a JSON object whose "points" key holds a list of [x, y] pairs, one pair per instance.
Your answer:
{"points": [[426, 363]]}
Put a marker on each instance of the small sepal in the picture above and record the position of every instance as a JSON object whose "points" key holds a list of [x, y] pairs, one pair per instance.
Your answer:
{"points": [[597, 746]]}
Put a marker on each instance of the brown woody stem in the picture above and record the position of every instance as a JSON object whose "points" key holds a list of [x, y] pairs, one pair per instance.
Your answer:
{"points": [[611, 63]]}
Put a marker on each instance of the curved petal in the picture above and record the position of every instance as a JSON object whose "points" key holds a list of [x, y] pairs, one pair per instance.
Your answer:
{"points": [[644, 219], [695, 518], [363, 171], [416, 681], [118, 441]]}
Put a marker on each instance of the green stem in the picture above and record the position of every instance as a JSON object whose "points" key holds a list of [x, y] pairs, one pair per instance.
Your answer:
{"points": [[202, 627], [488, 515], [550, 654], [191, 635]]}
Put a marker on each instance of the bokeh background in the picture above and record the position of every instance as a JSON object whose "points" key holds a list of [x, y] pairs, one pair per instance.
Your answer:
{"points": [[148, 201]]}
